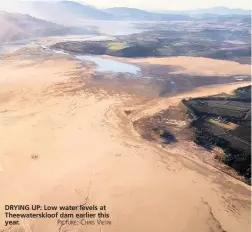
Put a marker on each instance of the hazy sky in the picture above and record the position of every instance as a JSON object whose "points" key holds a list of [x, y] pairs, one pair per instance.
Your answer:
{"points": [[172, 4], [163, 4]]}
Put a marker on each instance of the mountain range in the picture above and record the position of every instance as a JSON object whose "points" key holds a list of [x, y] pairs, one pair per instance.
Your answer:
{"points": [[125, 13], [69, 11], [48, 18], [220, 10], [15, 26], [57, 11]]}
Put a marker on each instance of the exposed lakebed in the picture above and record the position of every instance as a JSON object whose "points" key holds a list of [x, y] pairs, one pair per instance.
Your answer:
{"points": [[148, 80], [143, 79]]}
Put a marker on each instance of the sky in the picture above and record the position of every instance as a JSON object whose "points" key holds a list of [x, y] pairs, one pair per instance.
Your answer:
{"points": [[162, 4], [171, 4]]}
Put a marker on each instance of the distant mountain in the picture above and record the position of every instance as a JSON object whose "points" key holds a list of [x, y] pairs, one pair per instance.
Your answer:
{"points": [[80, 10], [70, 12], [215, 11], [57, 11], [16, 26], [125, 13], [222, 11]]}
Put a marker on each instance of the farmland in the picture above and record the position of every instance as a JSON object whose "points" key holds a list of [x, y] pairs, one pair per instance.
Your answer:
{"points": [[219, 125], [223, 40], [225, 122], [117, 46]]}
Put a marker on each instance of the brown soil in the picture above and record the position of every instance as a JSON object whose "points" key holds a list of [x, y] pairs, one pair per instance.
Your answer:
{"points": [[65, 143]]}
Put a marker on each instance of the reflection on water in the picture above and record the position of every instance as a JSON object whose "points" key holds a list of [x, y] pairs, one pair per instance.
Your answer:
{"points": [[106, 65]]}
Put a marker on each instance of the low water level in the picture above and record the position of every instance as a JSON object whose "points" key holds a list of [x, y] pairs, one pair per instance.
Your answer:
{"points": [[12, 47], [106, 65]]}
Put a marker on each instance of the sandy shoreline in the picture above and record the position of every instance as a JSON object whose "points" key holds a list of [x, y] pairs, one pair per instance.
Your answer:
{"points": [[193, 65], [88, 153]]}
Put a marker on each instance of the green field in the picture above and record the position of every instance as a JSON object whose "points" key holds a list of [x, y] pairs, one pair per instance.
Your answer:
{"points": [[117, 46], [229, 125]]}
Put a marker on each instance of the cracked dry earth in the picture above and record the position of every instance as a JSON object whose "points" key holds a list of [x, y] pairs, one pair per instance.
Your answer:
{"points": [[65, 144]]}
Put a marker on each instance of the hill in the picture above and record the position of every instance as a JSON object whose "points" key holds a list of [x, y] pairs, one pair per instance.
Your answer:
{"points": [[57, 11], [16, 26], [125, 13], [220, 10], [69, 11]]}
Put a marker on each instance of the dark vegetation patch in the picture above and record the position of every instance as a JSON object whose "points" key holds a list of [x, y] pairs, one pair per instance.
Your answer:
{"points": [[167, 136], [136, 50], [213, 38], [103, 48], [165, 127], [128, 112], [225, 122], [80, 47], [243, 92]]}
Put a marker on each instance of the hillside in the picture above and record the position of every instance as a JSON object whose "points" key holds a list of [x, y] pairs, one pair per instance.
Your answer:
{"points": [[70, 11], [220, 10], [126, 13], [20, 26], [57, 11]]}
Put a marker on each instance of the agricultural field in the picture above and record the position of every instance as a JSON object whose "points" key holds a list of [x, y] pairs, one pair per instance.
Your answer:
{"points": [[117, 46], [229, 108], [225, 122], [228, 125], [197, 38]]}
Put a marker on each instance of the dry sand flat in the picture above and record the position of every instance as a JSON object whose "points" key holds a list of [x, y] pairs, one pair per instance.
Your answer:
{"points": [[198, 65], [87, 153], [156, 105]]}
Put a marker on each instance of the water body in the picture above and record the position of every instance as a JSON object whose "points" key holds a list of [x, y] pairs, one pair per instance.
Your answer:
{"points": [[107, 65], [11, 47], [112, 28], [59, 52]]}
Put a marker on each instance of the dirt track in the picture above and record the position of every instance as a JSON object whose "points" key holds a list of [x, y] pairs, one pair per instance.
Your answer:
{"points": [[63, 147]]}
